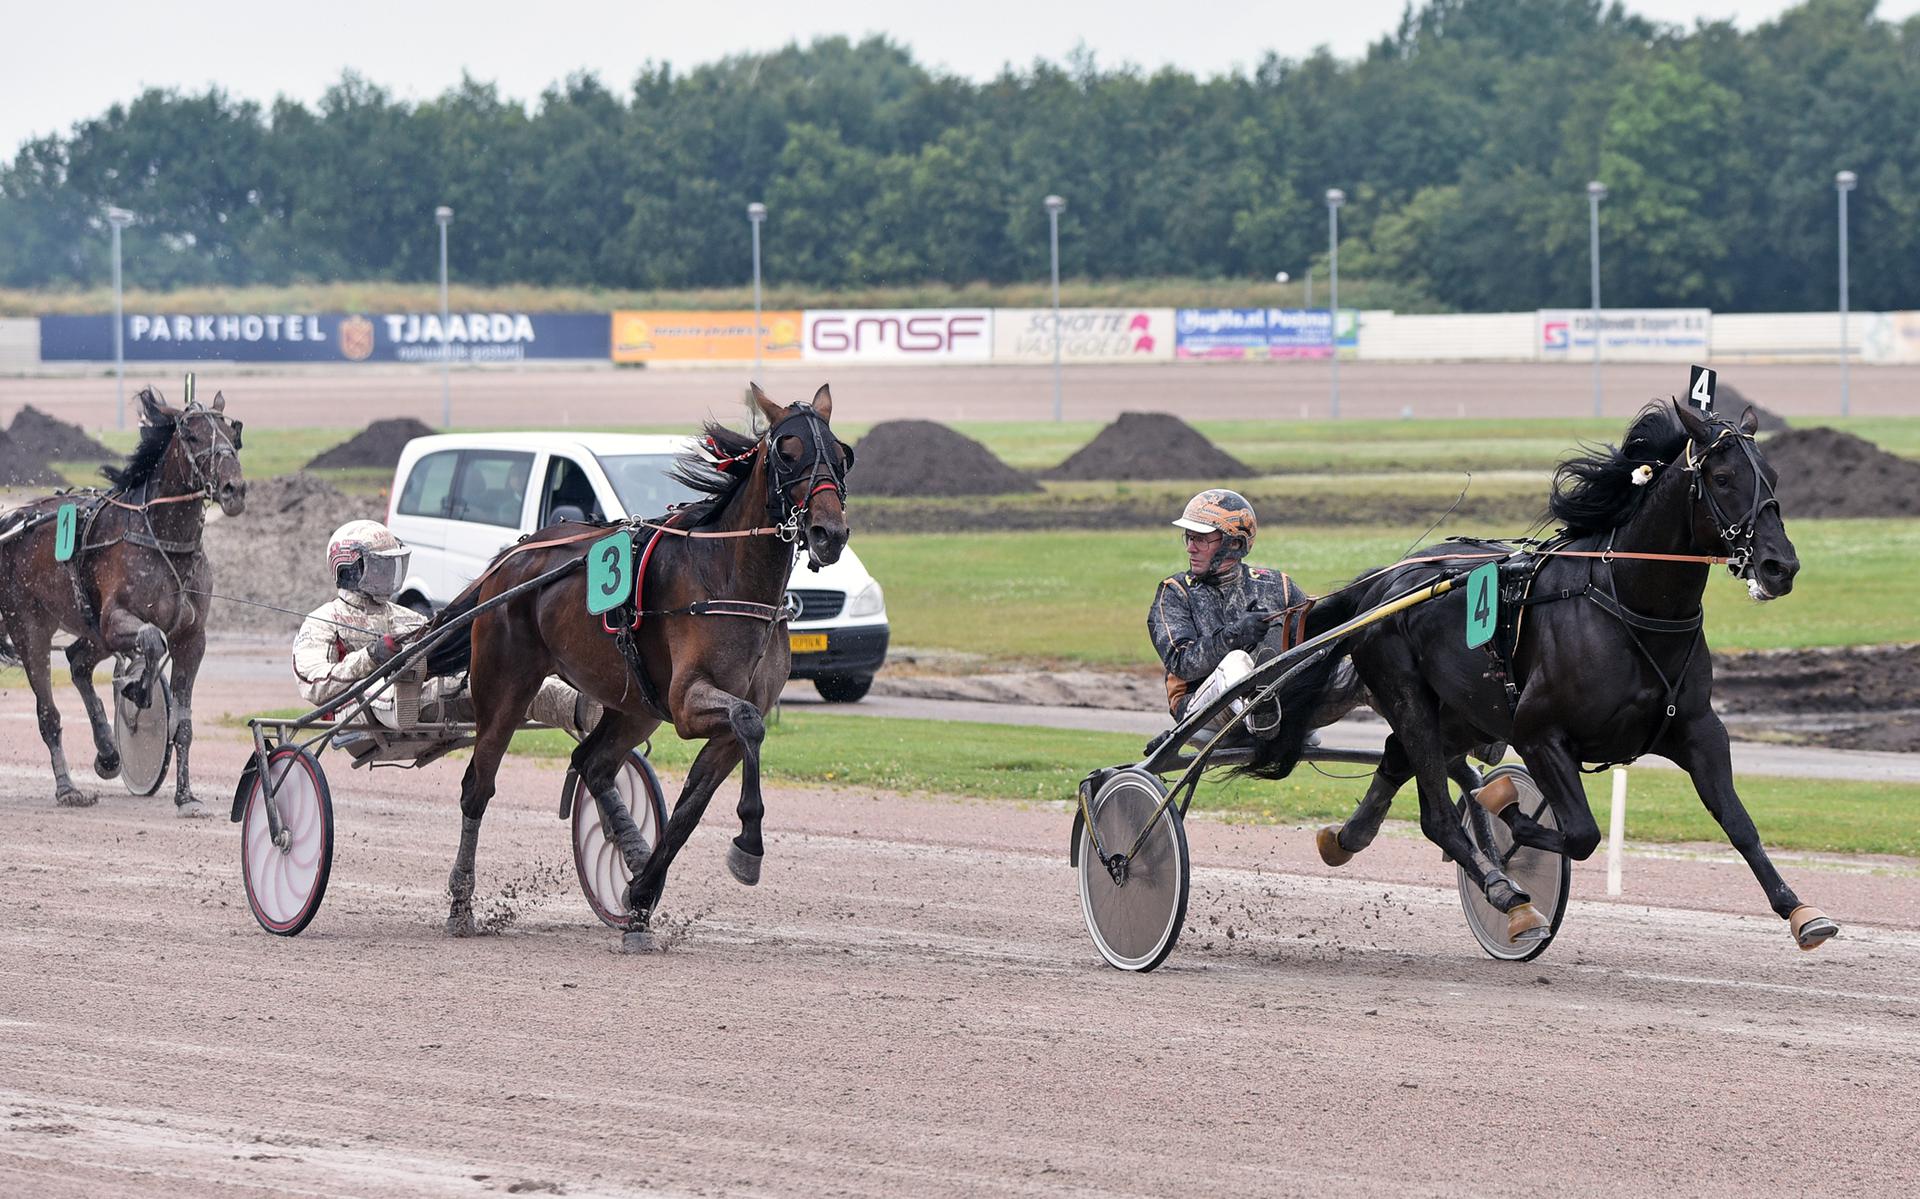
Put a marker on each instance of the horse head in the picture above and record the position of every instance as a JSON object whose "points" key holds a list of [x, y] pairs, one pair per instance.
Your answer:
{"points": [[807, 472], [1734, 489], [202, 449]]}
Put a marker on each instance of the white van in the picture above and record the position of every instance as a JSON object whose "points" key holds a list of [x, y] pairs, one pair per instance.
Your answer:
{"points": [[460, 498]]}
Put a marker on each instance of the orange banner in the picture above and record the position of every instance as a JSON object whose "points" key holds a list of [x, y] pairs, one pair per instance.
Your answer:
{"points": [[704, 336]]}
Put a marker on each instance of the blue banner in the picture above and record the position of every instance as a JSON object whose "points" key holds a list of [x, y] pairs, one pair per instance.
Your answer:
{"points": [[1254, 333], [329, 337]]}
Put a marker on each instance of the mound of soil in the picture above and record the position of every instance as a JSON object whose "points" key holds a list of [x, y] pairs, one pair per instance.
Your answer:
{"points": [[1149, 445], [56, 440], [379, 444], [1862, 697], [1730, 403], [275, 552], [20, 466], [920, 457], [1824, 472]]}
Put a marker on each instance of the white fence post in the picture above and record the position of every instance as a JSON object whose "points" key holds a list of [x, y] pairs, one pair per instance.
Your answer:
{"points": [[1616, 829]]}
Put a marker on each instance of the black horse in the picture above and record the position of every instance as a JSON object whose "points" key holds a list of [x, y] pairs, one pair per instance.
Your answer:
{"points": [[1601, 657]]}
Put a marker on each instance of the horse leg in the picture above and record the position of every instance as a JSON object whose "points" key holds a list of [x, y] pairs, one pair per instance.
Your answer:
{"points": [[187, 653], [1557, 773], [82, 656], [33, 642], [499, 711], [597, 760], [1338, 844], [710, 768], [1700, 748]]}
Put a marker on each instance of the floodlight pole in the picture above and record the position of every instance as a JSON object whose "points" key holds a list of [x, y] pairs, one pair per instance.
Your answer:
{"points": [[1843, 183], [756, 213], [118, 218], [1596, 192], [1055, 205], [1335, 198], [443, 216]]}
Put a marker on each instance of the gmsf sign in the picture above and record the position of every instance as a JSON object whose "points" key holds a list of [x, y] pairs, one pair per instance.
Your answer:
{"points": [[899, 335]]}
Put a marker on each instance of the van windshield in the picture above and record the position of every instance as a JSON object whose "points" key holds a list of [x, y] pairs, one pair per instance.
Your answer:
{"points": [[641, 482]]}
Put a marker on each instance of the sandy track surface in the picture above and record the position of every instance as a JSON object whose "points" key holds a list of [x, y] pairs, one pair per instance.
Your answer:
{"points": [[351, 396], [909, 1003]]}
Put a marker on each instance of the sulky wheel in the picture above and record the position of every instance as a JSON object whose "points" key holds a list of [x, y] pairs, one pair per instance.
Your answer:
{"points": [[144, 736], [1134, 904], [602, 868], [1546, 876], [285, 883]]}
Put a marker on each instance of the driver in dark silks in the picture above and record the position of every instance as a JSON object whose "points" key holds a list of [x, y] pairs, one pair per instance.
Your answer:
{"points": [[1213, 624]]}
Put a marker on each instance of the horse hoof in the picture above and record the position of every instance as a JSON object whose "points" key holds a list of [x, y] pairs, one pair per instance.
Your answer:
{"points": [[190, 809], [107, 766], [460, 924], [1525, 923], [1811, 927], [74, 797], [743, 866], [1327, 840], [639, 940]]}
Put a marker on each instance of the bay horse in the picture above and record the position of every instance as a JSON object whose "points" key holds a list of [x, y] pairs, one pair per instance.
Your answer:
{"points": [[136, 582], [708, 652], [1602, 659]]}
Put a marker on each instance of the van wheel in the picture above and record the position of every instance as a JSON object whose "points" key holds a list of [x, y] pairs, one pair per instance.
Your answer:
{"points": [[842, 689]]}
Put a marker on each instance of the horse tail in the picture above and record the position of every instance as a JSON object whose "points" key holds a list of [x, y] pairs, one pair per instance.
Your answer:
{"points": [[454, 654]]}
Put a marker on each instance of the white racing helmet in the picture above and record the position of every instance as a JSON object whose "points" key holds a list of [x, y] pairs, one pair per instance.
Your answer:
{"points": [[367, 558]]}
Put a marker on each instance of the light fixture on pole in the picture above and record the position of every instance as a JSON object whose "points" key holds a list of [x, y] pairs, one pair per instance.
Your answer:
{"points": [[119, 218], [1055, 206], [1843, 183], [1335, 198], [1596, 192], [756, 213], [443, 216]]}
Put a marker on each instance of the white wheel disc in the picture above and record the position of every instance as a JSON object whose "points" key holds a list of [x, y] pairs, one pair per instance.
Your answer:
{"points": [[1134, 921], [598, 861], [285, 886], [1547, 877], [144, 736]]}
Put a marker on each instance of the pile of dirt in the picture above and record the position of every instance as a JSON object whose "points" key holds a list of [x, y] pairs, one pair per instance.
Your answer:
{"points": [[1824, 472], [920, 457], [56, 440], [379, 444], [1730, 403], [1861, 697], [20, 466], [275, 552], [1149, 445]]}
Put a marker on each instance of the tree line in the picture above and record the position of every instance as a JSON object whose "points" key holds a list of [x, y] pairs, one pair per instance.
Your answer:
{"points": [[1464, 140]]}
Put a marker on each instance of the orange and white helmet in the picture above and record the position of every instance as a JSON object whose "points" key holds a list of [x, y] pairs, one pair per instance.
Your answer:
{"points": [[1217, 510], [367, 558]]}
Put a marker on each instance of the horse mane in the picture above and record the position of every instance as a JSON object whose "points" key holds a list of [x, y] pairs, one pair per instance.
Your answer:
{"points": [[145, 460], [1594, 491], [692, 469]]}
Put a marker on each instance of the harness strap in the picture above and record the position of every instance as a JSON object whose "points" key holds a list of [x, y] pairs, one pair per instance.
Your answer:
{"points": [[761, 532]]}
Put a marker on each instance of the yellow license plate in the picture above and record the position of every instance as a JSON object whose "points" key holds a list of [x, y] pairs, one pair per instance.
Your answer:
{"points": [[807, 643]]}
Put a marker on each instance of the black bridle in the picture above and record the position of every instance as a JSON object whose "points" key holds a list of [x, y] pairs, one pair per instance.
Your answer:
{"points": [[822, 463], [1738, 535], [205, 463]]}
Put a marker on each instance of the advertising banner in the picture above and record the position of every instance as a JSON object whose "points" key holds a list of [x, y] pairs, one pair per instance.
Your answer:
{"points": [[1086, 334], [1626, 334], [1263, 332], [922, 335], [663, 336], [327, 337], [1890, 337]]}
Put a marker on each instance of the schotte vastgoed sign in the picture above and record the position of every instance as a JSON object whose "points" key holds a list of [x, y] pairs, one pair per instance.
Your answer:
{"points": [[328, 337], [1262, 332], [1086, 334], [1626, 334], [928, 335]]}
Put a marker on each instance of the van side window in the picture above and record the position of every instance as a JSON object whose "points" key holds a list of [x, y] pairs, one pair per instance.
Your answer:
{"points": [[492, 487], [568, 494], [430, 485]]}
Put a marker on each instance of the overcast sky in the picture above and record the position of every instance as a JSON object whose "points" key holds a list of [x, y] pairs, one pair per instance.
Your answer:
{"points": [[64, 62]]}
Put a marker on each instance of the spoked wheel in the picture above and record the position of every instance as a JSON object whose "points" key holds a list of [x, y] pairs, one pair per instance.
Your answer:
{"points": [[602, 867], [144, 736], [285, 883], [1546, 876], [1134, 904]]}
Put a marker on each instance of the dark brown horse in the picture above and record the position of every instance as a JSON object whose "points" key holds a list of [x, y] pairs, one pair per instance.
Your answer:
{"points": [[709, 653], [135, 583]]}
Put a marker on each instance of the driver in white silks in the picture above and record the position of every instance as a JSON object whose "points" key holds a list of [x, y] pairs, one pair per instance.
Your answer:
{"points": [[1212, 624], [350, 636]]}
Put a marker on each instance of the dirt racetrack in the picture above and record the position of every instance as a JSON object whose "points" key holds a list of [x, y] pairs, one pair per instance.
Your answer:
{"points": [[909, 1004], [351, 396]]}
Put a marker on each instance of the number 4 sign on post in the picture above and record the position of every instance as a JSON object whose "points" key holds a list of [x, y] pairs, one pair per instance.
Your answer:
{"points": [[1700, 388]]}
